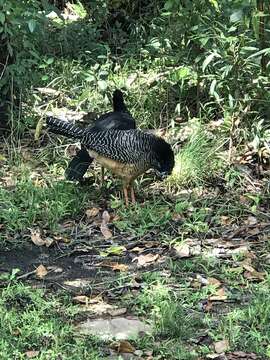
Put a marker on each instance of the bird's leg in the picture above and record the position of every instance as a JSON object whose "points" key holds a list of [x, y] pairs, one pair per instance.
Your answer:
{"points": [[125, 188], [102, 175], [132, 195]]}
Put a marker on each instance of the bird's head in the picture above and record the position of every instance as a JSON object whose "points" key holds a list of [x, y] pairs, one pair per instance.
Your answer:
{"points": [[163, 159]]}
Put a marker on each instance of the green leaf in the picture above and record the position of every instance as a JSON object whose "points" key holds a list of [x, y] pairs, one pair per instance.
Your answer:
{"points": [[2, 18], [212, 87], [236, 16], [215, 94], [168, 5], [90, 78], [32, 25], [183, 72], [215, 4], [261, 52], [231, 101], [49, 61], [113, 250], [14, 272], [249, 48], [155, 43], [208, 60], [102, 85]]}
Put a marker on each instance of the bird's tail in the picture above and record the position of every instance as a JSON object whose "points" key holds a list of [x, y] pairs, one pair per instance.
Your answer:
{"points": [[62, 127], [118, 101]]}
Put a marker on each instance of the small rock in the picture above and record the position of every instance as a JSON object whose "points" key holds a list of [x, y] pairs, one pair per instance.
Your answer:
{"points": [[119, 328]]}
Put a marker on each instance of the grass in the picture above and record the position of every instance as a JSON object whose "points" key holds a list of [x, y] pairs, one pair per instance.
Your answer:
{"points": [[35, 320], [177, 316], [85, 72], [248, 327], [139, 220], [197, 160], [31, 320], [170, 303], [37, 200]]}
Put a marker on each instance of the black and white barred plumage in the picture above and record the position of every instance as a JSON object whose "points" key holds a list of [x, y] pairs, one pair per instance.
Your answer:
{"points": [[120, 118], [127, 147]]}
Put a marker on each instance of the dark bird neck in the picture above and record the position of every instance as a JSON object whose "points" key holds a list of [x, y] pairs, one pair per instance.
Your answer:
{"points": [[118, 101]]}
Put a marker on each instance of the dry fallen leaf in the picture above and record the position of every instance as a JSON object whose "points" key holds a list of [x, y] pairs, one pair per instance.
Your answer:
{"points": [[254, 231], [60, 239], [31, 354], [221, 346], [104, 225], [244, 200], [213, 281], [251, 273], [92, 212], [38, 240], [105, 216], [41, 271], [255, 275], [137, 249], [117, 312], [220, 295], [114, 266], [81, 299], [225, 220], [182, 250], [9, 181], [115, 218], [123, 346], [208, 306], [144, 260], [251, 220], [248, 267], [120, 267], [151, 244], [105, 231], [177, 217]]}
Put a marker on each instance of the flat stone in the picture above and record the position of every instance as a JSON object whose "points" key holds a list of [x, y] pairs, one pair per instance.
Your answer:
{"points": [[119, 328]]}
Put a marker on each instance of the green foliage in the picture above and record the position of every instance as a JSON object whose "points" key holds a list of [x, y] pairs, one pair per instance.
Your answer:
{"points": [[38, 201], [248, 328], [197, 160], [200, 58], [32, 321], [143, 219]]}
